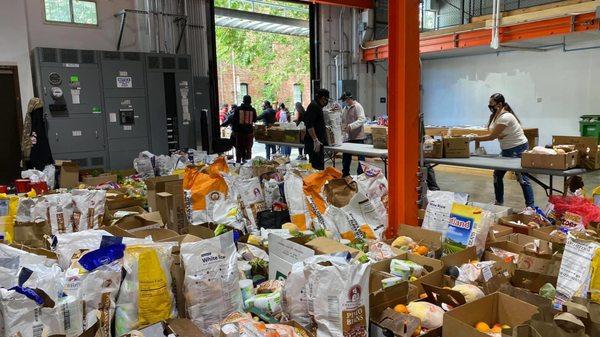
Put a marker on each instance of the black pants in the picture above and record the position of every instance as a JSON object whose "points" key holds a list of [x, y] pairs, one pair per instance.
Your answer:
{"points": [[431, 181], [316, 159], [347, 160]]}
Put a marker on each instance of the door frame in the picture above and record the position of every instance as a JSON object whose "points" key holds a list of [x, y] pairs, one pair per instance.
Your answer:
{"points": [[14, 70]]}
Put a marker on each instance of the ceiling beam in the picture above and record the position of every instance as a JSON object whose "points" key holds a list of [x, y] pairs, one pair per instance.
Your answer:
{"points": [[346, 3], [253, 16]]}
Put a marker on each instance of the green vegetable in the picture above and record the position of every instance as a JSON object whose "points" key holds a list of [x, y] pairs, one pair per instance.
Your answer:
{"points": [[220, 229], [548, 291], [363, 259], [320, 233]]}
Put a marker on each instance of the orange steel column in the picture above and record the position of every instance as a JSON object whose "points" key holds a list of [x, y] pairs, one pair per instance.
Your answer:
{"points": [[403, 112]]}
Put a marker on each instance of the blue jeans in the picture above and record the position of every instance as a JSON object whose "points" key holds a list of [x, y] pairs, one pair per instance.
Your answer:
{"points": [[270, 149], [523, 180], [347, 160], [285, 150]]}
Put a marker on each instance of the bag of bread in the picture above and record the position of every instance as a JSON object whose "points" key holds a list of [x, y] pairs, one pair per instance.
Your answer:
{"points": [[88, 210], [146, 295]]}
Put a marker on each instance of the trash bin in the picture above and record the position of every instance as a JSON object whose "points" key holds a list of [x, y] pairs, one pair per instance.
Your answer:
{"points": [[589, 126]]}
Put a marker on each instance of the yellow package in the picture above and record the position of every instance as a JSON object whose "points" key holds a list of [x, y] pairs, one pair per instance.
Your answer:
{"points": [[146, 295], [8, 212], [595, 277]]}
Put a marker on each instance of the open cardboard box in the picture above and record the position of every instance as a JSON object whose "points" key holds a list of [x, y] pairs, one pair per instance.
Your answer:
{"points": [[283, 253], [495, 308], [100, 179], [456, 147], [587, 147], [179, 327], [561, 161], [429, 238], [381, 270], [69, 173], [498, 233], [118, 199], [138, 222], [519, 222]]}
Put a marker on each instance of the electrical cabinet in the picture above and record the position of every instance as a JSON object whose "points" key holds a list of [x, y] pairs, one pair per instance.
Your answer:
{"points": [[104, 107], [124, 85], [67, 82]]}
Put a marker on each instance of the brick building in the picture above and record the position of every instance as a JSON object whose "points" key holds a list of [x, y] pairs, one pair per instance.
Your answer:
{"points": [[295, 88]]}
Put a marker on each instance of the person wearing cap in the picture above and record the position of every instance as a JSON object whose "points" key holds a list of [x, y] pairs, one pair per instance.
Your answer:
{"points": [[242, 122], [316, 134], [353, 121]]}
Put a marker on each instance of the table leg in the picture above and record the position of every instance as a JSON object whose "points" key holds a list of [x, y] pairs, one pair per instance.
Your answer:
{"points": [[565, 187], [551, 185], [384, 166]]}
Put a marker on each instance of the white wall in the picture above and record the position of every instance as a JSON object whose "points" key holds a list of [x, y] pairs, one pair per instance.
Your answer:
{"points": [[102, 37], [547, 90], [14, 49]]}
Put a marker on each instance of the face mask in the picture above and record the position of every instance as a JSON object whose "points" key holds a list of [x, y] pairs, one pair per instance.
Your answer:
{"points": [[492, 108]]}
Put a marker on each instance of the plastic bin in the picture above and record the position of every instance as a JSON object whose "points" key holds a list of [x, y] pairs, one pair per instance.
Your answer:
{"points": [[589, 126]]}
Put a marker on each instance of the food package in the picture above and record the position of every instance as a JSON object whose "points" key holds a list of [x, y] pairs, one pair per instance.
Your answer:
{"points": [[60, 212], [313, 191], [272, 193], [65, 318], [202, 190], [366, 215], [294, 196], [21, 315], [294, 300], [8, 212], [373, 183], [338, 298], [269, 303], [469, 291], [438, 209], [95, 278], [146, 295], [431, 315], [252, 198], [468, 226], [143, 165], [473, 272], [211, 283], [406, 269], [88, 212], [577, 270]]}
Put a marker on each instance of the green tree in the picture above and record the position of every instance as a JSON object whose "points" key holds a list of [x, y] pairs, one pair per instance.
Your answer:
{"points": [[273, 58]]}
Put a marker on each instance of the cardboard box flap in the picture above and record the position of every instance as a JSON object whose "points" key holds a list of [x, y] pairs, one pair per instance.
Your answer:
{"points": [[388, 298], [430, 238], [460, 258], [157, 234], [400, 325], [585, 145], [136, 222], [323, 245], [439, 296], [182, 327]]}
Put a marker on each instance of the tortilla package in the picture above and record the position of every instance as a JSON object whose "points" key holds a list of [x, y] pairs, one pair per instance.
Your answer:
{"points": [[211, 283], [438, 209], [146, 295], [468, 226], [202, 190]]}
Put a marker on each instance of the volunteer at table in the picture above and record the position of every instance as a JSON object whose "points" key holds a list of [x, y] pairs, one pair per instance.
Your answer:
{"points": [[298, 118], [316, 134], [506, 127], [353, 121], [268, 117]]}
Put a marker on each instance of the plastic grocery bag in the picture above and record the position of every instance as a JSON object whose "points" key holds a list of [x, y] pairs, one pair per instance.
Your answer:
{"points": [[202, 190], [146, 295], [60, 212], [374, 185], [294, 196], [21, 316], [438, 209], [211, 283], [253, 199], [88, 212]]}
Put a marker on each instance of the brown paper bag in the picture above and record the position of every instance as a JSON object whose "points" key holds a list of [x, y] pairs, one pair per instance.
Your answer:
{"points": [[32, 234], [339, 192]]}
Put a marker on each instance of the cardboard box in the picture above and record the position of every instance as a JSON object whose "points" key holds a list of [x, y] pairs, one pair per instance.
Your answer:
{"points": [[533, 137], [589, 156], [519, 222], [498, 233], [165, 195], [388, 298], [292, 136], [32, 234], [495, 308], [283, 253], [457, 147], [429, 238], [139, 222], [260, 132], [119, 199], [496, 210], [99, 180], [547, 161], [158, 184], [381, 270], [380, 136], [69, 174], [433, 150]]}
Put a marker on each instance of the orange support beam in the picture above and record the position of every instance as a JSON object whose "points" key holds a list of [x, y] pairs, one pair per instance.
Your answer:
{"points": [[403, 117], [483, 37], [346, 3]]}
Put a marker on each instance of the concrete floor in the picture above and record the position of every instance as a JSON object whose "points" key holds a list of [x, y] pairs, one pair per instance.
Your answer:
{"points": [[479, 186]]}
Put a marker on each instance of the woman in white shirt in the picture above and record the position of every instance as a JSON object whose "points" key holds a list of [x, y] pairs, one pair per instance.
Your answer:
{"points": [[506, 127]]}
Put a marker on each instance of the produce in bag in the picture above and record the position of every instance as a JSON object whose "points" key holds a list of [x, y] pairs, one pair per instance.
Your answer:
{"points": [[295, 199], [579, 270], [211, 283], [366, 215], [202, 190], [146, 291], [431, 315], [438, 209], [373, 183], [468, 226], [95, 278]]}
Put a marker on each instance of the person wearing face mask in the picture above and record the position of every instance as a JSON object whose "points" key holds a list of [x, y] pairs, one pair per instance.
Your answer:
{"points": [[353, 121], [316, 134], [504, 125]]}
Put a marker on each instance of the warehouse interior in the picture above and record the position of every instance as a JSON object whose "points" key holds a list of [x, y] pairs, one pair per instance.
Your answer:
{"points": [[263, 157]]}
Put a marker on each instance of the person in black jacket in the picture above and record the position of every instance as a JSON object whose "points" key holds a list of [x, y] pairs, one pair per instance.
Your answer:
{"points": [[268, 116], [316, 134], [242, 122]]}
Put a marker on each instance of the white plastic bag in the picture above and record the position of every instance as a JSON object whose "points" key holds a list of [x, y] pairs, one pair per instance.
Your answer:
{"points": [[296, 201], [146, 295], [89, 209], [252, 198], [211, 283]]}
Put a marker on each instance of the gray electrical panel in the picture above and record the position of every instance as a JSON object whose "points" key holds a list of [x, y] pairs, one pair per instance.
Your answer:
{"points": [[170, 102], [104, 107], [67, 82], [124, 83]]}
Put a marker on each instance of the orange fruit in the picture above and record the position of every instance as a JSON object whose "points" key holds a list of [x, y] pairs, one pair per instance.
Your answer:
{"points": [[497, 328], [401, 308], [482, 327], [421, 250]]}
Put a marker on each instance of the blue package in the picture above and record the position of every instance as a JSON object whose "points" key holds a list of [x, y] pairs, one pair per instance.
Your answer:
{"points": [[30, 293], [102, 256]]}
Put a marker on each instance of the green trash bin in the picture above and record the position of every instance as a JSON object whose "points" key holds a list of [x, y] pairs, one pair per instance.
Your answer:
{"points": [[589, 126]]}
